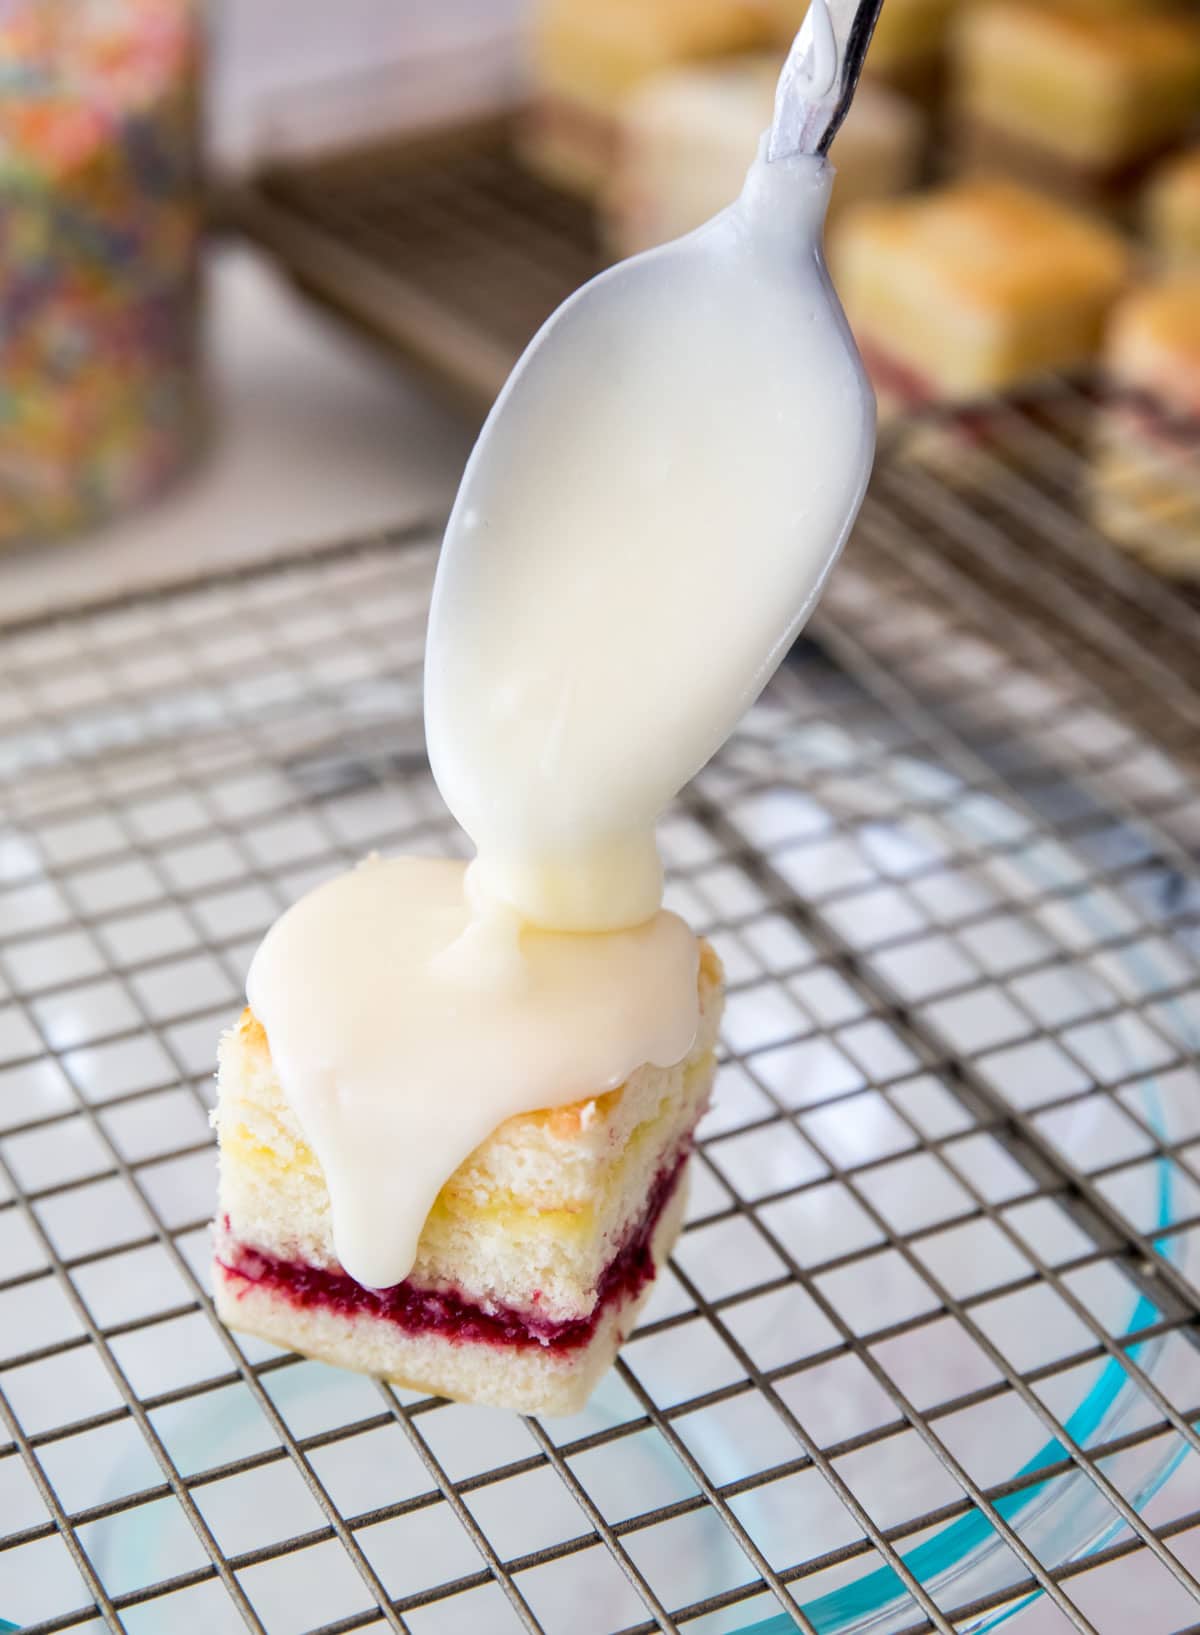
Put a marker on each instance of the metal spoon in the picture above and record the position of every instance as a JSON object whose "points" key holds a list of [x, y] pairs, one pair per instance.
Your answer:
{"points": [[820, 76]]}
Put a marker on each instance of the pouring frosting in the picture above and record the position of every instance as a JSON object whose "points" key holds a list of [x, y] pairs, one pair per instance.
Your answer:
{"points": [[646, 521]]}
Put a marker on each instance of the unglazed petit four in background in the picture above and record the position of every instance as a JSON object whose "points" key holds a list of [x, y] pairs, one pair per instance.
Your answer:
{"points": [[1171, 212], [687, 136], [586, 58], [455, 1116], [972, 287], [532, 1264], [1145, 480]]}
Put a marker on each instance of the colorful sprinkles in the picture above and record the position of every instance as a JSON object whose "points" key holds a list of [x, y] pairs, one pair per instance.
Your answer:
{"points": [[99, 217]]}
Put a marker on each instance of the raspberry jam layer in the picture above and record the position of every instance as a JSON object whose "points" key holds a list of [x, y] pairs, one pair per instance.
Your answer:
{"points": [[447, 1311]]}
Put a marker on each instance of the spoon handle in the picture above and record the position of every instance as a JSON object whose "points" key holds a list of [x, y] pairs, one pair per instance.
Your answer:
{"points": [[820, 76]]}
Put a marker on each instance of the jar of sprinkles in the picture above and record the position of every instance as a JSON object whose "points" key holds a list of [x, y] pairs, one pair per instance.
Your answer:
{"points": [[99, 223]]}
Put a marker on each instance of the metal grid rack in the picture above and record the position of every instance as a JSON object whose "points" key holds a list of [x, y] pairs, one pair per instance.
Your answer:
{"points": [[945, 871]]}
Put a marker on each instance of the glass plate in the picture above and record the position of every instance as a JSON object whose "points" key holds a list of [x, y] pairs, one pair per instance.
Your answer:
{"points": [[1061, 1519]]}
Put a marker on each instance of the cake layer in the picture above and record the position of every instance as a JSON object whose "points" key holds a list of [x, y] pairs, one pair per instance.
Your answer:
{"points": [[594, 54], [529, 1221], [1098, 90], [975, 286], [473, 1362], [897, 387]]}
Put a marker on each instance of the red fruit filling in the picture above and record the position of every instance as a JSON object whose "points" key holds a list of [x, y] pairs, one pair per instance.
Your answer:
{"points": [[447, 1311]]}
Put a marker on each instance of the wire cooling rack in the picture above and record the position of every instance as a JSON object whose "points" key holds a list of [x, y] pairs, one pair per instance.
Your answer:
{"points": [[928, 1343]]}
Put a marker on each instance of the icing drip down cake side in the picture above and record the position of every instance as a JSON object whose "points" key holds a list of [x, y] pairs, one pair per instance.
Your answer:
{"points": [[532, 1265]]}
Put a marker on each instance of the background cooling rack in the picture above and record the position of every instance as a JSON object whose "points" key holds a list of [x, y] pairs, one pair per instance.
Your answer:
{"points": [[927, 1349]]}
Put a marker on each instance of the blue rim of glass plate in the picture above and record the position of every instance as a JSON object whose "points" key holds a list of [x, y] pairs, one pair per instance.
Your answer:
{"points": [[938, 1556], [964, 1537]]}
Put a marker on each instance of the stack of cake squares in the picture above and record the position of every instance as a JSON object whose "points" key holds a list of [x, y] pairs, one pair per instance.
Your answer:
{"points": [[1015, 182]]}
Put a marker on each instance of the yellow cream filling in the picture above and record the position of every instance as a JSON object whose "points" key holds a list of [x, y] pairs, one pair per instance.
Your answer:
{"points": [[455, 1208]]}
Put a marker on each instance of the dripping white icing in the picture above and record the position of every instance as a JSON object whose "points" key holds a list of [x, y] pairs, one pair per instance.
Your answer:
{"points": [[645, 522], [421, 1066]]}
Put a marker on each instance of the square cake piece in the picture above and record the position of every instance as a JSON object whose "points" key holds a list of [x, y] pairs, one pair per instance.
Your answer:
{"points": [[589, 54], [969, 288], [688, 136], [1172, 212], [1145, 480], [1060, 95], [532, 1265]]}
